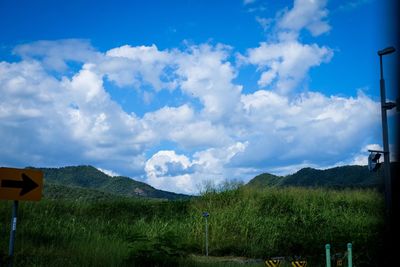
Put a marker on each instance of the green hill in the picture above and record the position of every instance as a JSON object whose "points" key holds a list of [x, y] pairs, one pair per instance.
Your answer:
{"points": [[265, 179], [344, 176], [338, 177], [88, 183], [74, 180], [75, 193]]}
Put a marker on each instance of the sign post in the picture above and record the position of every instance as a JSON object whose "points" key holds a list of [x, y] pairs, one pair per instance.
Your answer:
{"points": [[19, 184], [205, 215], [13, 229]]}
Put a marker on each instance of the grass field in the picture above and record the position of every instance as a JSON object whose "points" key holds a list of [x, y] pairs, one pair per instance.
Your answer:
{"points": [[243, 222]]}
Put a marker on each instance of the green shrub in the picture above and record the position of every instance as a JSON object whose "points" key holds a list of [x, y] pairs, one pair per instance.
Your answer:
{"points": [[166, 249]]}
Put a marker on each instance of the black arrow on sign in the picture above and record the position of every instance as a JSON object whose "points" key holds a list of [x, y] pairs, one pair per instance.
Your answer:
{"points": [[27, 184]]}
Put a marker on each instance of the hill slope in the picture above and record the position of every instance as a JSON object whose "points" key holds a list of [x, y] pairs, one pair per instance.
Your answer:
{"points": [[78, 178], [338, 177]]}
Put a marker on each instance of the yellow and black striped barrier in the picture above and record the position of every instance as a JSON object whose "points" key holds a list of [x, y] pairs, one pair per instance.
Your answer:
{"points": [[276, 262], [299, 263], [273, 263]]}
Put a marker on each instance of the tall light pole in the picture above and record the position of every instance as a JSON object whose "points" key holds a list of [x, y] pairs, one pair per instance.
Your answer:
{"points": [[384, 107]]}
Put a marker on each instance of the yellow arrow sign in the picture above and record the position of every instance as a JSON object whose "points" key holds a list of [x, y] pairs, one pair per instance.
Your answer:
{"points": [[21, 184]]}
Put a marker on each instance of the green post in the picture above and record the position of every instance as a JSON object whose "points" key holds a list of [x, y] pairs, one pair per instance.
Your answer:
{"points": [[328, 255], [349, 255]]}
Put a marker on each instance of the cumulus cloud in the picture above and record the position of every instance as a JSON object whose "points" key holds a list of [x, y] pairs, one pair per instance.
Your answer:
{"points": [[53, 117], [308, 14], [168, 170], [284, 129], [56, 54], [185, 127], [135, 66], [205, 73], [67, 121], [285, 64], [284, 61]]}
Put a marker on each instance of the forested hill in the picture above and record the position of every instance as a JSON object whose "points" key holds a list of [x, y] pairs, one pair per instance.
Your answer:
{"points": [[338, 177], [66, 181], [87, 182]]}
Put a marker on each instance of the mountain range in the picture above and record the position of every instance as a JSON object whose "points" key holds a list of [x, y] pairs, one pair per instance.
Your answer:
{"points": [[88, 183], [351, 176]]}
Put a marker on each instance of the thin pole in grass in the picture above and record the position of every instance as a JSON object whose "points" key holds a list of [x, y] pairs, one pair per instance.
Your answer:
{"points": [[328, 255], [12, 233], [349, 255], [205, 215]]}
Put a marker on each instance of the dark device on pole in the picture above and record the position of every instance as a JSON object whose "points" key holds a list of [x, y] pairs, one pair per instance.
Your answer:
{"points": [[387, 50], [373, 161]]}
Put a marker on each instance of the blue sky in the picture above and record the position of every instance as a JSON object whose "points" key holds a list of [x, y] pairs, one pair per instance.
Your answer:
{"points": [[180, 93]]}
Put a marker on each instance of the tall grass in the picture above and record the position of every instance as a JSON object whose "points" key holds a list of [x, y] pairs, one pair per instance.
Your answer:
{"points": [[243, 222], [293, 221]]}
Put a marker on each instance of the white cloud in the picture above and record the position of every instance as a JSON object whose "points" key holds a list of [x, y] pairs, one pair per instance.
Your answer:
{"points": [[166, 170], [170, 171], [265, 23], [247, 2], [350, 5], [286, 63], [128, 65], [184, 127], [205, 73], [201, 72], [309, 14], [360, 160], [170, 116], [67, 121], [311, 128], [157, 165], [108, 172], [214, 158], [220, 133], [56, 54]]}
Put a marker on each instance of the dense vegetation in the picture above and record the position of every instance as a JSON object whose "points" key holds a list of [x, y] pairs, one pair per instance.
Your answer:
{"points": [[66, 181], [108, 231], [338, 177], [88, 177]]}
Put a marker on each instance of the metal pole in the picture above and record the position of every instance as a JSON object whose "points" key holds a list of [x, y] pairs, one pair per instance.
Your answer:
{"points": [[12, 232], [386, 155], [349, 255], [328, 255], [206, 237]]}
